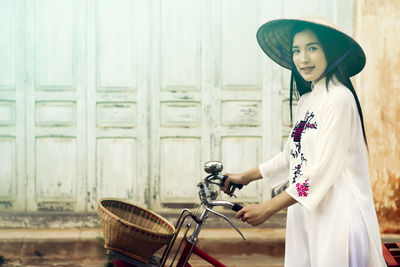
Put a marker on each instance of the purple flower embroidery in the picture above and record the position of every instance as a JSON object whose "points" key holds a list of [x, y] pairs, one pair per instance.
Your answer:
{"points": [[303, 188], [303, 125], [299, 130]]}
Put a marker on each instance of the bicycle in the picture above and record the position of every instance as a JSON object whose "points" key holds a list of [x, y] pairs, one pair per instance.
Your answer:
{"points": [[208, 201]]}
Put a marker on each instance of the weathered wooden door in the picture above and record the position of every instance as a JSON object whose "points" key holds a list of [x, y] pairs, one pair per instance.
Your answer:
{"points": [[55, 106], [129, 98]]}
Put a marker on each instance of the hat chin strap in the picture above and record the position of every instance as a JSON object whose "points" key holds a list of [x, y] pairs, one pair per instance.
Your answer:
{"points": [[337, 62]]}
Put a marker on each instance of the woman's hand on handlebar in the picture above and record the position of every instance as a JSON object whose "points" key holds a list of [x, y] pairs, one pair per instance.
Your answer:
{"points": [[254, 214], [243, 178], [233, 178]]}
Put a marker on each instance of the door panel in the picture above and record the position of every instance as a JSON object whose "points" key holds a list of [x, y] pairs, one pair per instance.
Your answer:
{"points": [[116, 45], [8, 22], [55, 44], [8, 170], [180, 33], [179, 160], [239, 50], [55, 167], [117, 167]]}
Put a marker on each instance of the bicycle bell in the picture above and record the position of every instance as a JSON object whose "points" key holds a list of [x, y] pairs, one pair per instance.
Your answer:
{"points": [[213, 167]]}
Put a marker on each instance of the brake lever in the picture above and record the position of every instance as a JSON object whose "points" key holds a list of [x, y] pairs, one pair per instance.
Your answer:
{"points": [[227, 219], [223, 179]]}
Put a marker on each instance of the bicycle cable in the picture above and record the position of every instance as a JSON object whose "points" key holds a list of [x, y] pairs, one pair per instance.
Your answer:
{"points": [[188, 226]]}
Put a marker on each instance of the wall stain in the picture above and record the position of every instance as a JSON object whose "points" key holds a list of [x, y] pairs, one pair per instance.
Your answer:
{"points": [[378, 86], [55, 206], [6, 205]]}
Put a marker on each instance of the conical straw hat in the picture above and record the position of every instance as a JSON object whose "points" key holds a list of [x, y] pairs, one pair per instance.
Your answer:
{"points": [[274, 38]]}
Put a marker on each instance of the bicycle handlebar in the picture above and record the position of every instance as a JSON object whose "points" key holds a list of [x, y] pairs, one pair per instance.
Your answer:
{"points": [[237, 207], [232, 206], [207, 197]]}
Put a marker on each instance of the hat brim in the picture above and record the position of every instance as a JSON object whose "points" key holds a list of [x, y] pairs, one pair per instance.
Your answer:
{"points": [[274, 39]]}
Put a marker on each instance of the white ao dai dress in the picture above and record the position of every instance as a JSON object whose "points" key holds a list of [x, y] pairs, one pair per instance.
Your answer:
{"points": [[334, 223]]}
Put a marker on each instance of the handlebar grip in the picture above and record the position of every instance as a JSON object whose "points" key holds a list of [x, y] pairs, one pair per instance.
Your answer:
{"points": [[236, 207], [238, 186]]}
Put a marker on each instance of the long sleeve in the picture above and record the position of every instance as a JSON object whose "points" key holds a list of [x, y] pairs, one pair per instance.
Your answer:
{"points": [[334, 139], [276, 170]]}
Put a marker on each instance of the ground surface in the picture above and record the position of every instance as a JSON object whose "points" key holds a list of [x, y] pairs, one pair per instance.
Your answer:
{"points": [[84, 247]]}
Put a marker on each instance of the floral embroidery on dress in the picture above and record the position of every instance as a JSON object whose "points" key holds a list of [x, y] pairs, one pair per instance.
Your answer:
{"points": [[301, 127], [297, 173], [302, 188]]}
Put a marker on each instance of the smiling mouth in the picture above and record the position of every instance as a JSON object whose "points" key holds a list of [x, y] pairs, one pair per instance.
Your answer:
{"points": [[307, 70]]}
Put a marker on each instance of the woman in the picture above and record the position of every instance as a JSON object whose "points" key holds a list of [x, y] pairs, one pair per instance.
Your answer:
{"points": [[331, 220]]}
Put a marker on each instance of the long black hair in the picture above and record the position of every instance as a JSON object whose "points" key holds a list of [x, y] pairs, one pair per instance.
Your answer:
{"points": [[334, 50]]}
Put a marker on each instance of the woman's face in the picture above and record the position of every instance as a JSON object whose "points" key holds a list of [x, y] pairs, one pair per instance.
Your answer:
{"points": [[308, 56]]}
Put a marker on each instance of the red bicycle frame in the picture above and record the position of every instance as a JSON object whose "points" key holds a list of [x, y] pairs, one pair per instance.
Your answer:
{"points": [[187, 252]]}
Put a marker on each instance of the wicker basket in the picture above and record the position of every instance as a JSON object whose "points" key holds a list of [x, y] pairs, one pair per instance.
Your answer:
{"points": [[132, 230]]}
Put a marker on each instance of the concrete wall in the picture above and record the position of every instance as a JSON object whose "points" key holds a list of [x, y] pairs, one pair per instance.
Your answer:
{"points": [[377, 28]]}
